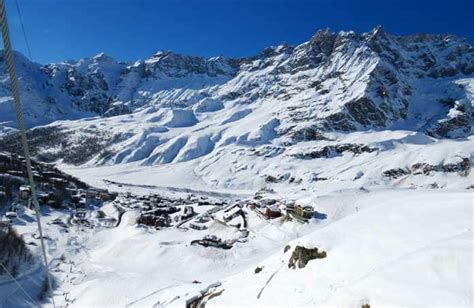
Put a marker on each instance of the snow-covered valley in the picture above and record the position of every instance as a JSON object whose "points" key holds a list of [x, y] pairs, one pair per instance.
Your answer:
{"points": [[227, 174], [388, 247]]}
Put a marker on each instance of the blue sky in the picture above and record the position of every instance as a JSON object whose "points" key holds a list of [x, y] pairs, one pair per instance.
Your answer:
{"points": [[128, 30]]}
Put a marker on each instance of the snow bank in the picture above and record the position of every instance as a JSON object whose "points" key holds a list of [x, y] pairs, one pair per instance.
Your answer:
{"points": [[181, 118], [209, 105], [197, 147]]}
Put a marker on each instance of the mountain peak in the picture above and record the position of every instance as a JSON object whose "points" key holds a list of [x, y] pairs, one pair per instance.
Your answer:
{"points": [[103, 57], [378, 29]]}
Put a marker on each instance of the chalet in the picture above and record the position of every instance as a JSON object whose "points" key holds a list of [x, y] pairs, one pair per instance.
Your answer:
{"points": [[188, 212], [272, 212], [305, 212], [25, 192], [232, 212], [197, 226], [203, 219], [154, 221]]}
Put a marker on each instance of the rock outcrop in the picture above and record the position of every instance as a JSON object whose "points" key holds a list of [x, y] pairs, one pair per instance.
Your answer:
{"points": [[302, 255], [462, 166]]}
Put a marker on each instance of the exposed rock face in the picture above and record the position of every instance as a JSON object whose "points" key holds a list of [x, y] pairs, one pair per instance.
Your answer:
{"points": [[307, 134], [366, 113], [458, 124], [302, 255], [335, 150], [396, 173], [462, 167]]}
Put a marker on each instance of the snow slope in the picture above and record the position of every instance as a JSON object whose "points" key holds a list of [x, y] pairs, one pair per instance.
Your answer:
{"points": [[398, 248], [395, 247]]}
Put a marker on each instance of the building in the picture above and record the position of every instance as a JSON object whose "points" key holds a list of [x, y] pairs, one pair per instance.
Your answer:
{"points": [[91, 193], [304, 211], [198, 227], [232, 212], [25, 192], [71, 192], [272, 212], [252, 205], [188, 212], [58, 182], [154, 221]]}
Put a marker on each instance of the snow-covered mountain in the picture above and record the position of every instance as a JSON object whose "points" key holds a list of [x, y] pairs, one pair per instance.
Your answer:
{"points": [[337, 96], [335, 81], [372, 130]]}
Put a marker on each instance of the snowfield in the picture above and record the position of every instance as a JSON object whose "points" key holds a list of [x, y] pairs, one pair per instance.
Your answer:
{"points": [[396, 247]]}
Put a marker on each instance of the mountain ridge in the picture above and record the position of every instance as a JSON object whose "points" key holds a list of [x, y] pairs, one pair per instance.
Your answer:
{"points": [[102, 86], [174, 108]]}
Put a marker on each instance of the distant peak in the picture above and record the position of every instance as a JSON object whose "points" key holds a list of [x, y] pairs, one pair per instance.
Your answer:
{"points": [[378, 29], [163, 53], [323, 33], [103, 57], [377, 32], [159, 53]]}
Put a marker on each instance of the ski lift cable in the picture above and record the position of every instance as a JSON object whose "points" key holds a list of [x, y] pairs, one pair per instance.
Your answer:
{"points": [[23, 29], [17, 283], [21, 123]]}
